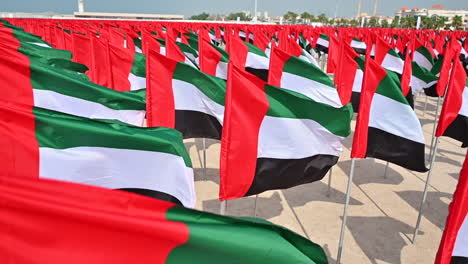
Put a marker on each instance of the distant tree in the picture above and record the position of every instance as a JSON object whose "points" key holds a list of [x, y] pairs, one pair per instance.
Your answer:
{"points": [[343, 22], [291, 17], [440, 22], [385, 23], [202, 16], [457, 22], [354, 22], [322, 18], [395, 22], [374, 22], [241, 15]]}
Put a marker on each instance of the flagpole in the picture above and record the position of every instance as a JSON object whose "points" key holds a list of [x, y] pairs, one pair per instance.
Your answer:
{"points": [[223, 206], [345, 212], [386, 168], [329, 181], [255, 206], [423, 200], [434, 127], [204, 159]]}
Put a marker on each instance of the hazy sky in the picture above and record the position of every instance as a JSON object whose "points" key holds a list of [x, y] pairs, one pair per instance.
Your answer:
{"points": [[187, 8]]}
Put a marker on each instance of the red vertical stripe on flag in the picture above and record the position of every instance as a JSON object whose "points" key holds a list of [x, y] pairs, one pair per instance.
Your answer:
{"points": [[458, 211], [277, 60], [19, 151], [160, 97], [209, 57], [454, 99], [121, 62], [246, 106], [346, 72], [373, 75]]}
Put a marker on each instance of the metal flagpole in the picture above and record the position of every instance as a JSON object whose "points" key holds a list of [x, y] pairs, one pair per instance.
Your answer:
{"points": [[423, 200], [255, 206], [223, 206], [434, 127], [204, 159], [345, 212], [386, 168], [329, 181]]}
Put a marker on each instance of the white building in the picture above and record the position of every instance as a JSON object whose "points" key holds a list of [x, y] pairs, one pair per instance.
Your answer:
{"points": [[434, 11]]}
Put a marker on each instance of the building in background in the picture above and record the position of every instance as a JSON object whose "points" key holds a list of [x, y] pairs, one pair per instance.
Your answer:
{"points": [[434, 11]]}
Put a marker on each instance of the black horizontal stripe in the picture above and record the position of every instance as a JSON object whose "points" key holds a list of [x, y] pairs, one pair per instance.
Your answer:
{"points": [[260, 73], [273, 174], [153, 194], [458, 129], [360, 51], [194, 124], [431, 91], [395, 149], [459, 260]]}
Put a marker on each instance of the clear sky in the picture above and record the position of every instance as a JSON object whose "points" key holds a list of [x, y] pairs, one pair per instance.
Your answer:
{"points": [[186, 7]]}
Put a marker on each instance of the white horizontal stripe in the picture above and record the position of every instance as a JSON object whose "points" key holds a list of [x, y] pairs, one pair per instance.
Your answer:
{"points": [[256, 61], [40, 44], [136, 82], [395, 118], [137, 49], [221, 70], [393, 63], [288, 138], [316, 91], [417, 84], [120, 168], [75, 106], [189, 97], [358, 44], [357, 85], [464, 108], [322, 42], [422, 61], [461, 243], [307, 57]]}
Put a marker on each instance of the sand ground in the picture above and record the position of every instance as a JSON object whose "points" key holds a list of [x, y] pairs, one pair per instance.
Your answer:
{"points": [[382, 212]]}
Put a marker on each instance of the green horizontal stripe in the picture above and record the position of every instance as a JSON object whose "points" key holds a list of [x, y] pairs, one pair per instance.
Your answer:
{"points": [[61, 131], [422, 74], [45, 77], [390, 87], [37, 51], [213, 87], [289, 104], [306, 70], [254, 49], [139, 65], [323, 36], [360, 61], [426, 53], [215, 239]]}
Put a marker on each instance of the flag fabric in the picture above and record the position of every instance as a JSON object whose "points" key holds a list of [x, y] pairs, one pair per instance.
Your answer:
{"points": [[322, 43], [387, 57], [182, 97], [29, 81], [453, 121], [128, 68], [292, 73], [452, 51], [357, 84], [39, 143], [359, 46], [421, 78], [423, 57], [281, 138], [387, 128], [253, 59], [213, 60], [54, 222], [453, 247], [346, 72]]}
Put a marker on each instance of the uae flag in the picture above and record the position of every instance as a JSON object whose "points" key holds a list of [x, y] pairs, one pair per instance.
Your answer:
{"points": [[322, 43], [453, 247], [128, 68], [248, 56], [359, 46], [213, 60], [24, 36], [27, 80], [421, 78], [357, 84], [295, 74], [387, 128], [453, 121], [45, 221], [48, 144], [182, 97], [423, 57], [387, 57], [281, 138]]}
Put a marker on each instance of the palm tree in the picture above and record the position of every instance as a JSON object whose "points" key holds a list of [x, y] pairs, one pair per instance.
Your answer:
{"points": [[322, 18], [290, 16], [457, 22], [306, 16], [440, 22]]}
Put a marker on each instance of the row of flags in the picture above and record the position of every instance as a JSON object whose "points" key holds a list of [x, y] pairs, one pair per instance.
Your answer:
{"points": [[280, 118]]}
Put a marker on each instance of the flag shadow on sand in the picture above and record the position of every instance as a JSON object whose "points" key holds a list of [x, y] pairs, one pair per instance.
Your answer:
{"points": [[370, 171]]}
